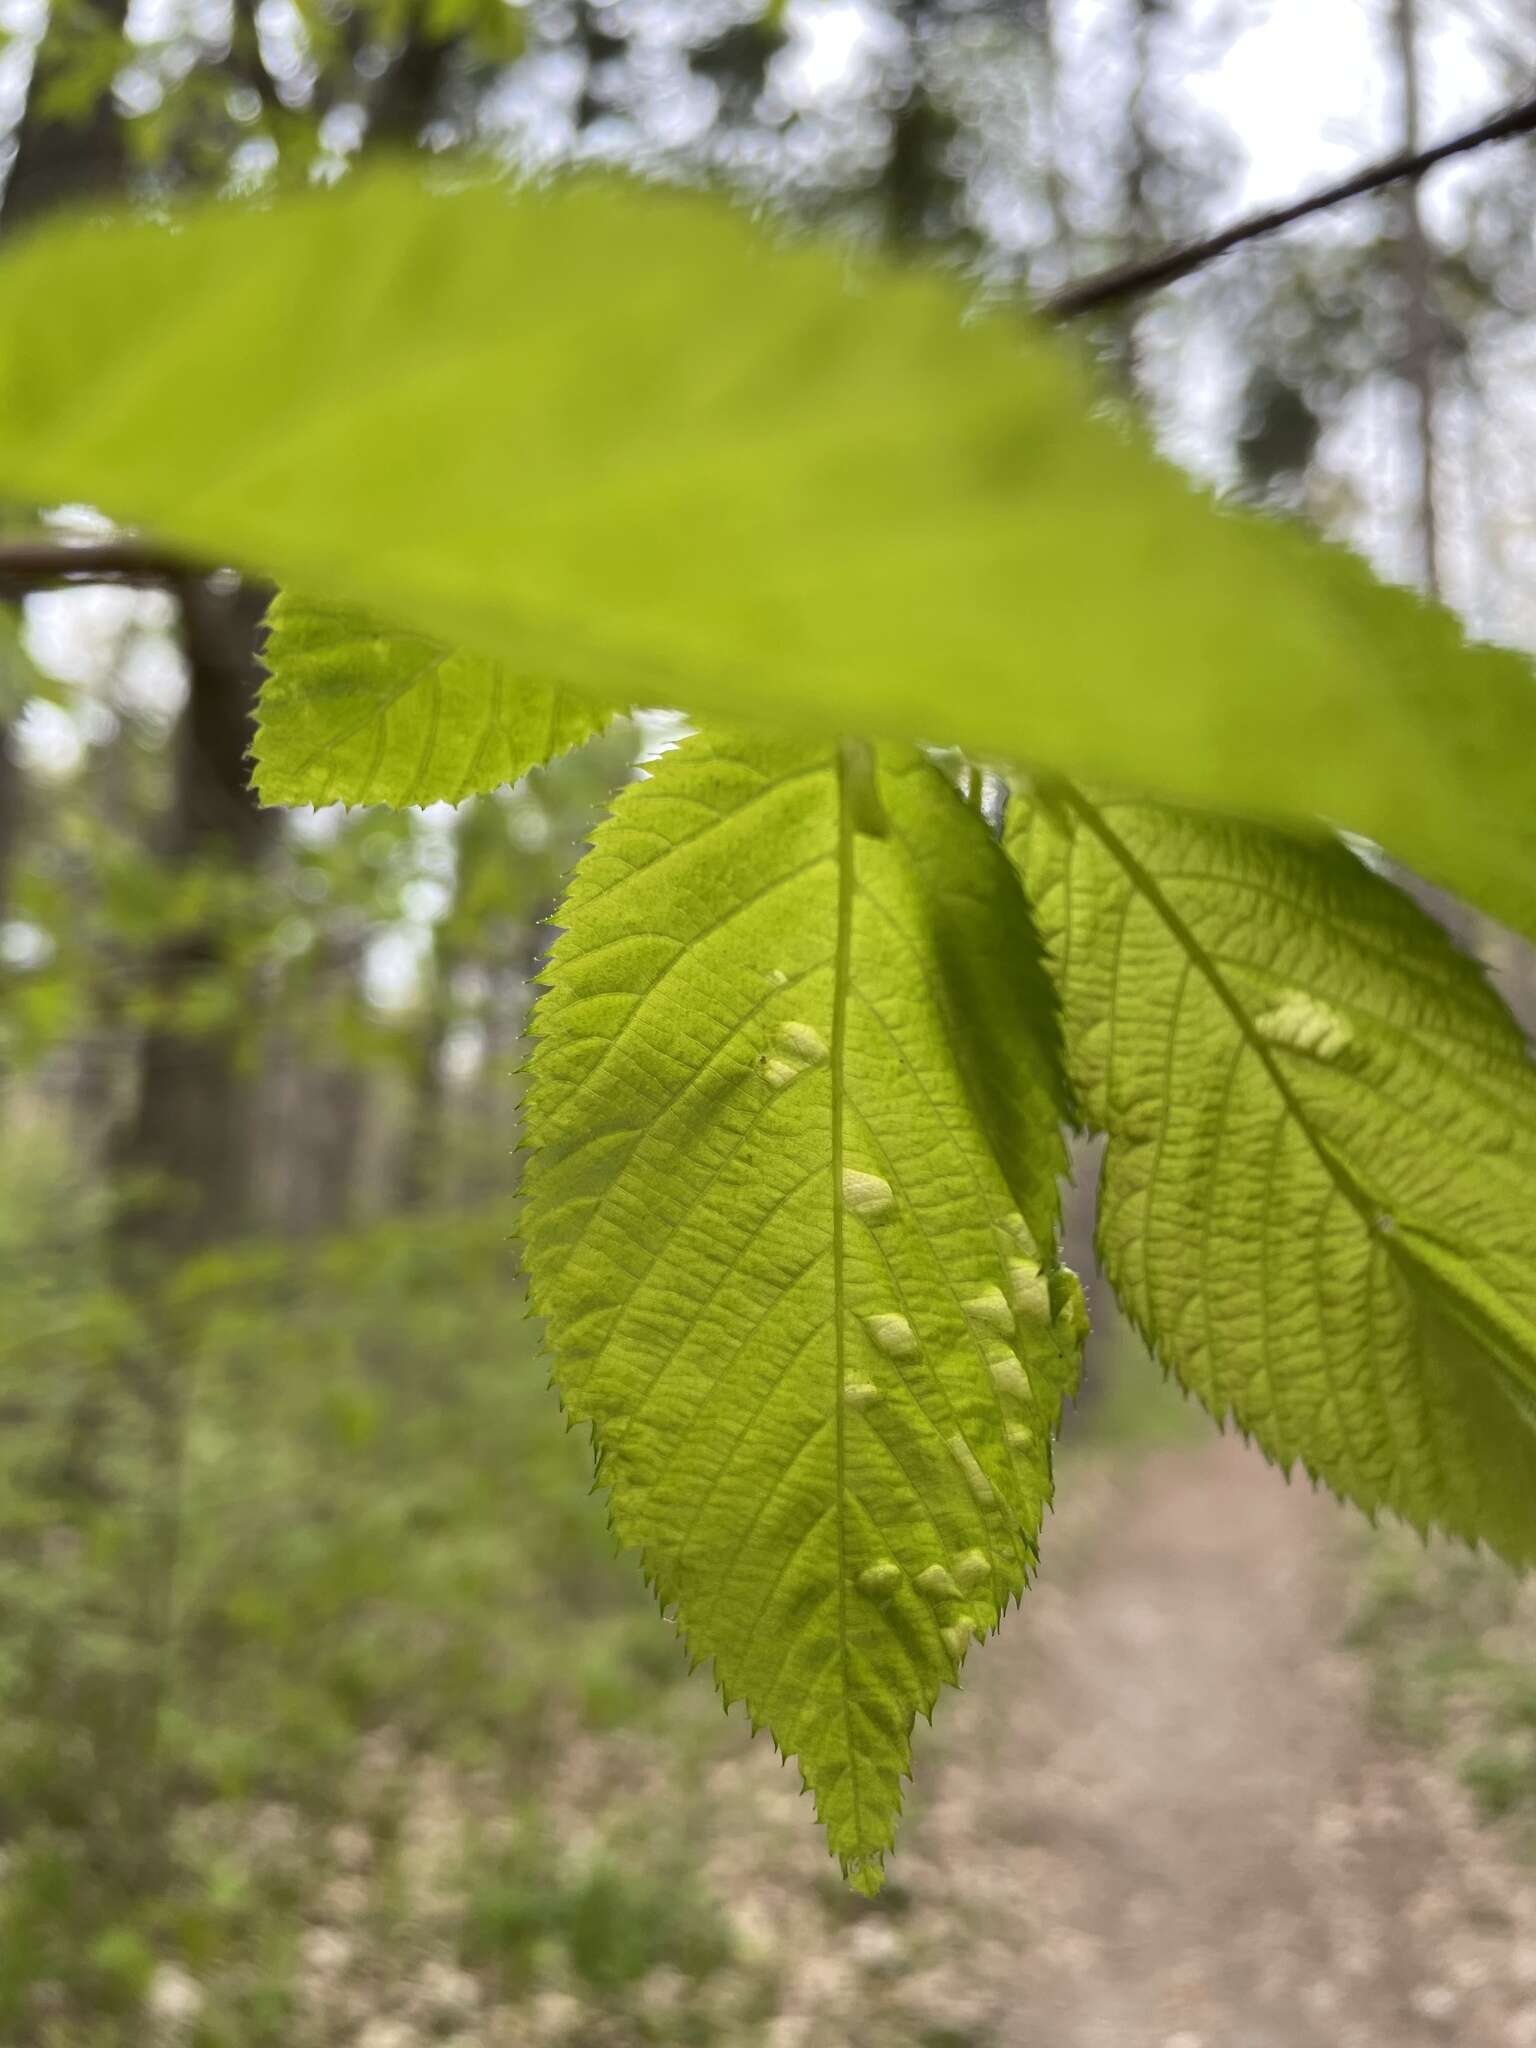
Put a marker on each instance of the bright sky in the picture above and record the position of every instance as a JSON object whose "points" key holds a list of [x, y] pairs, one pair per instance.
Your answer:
{"points": [[1305, 84], [1308, 87]]}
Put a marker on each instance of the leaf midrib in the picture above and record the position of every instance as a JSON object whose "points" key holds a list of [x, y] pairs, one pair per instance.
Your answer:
{"points": [[1197, 956], [1146, 884], [842, 961]]}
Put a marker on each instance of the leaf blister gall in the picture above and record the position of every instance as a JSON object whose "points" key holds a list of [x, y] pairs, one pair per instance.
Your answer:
{"points": [[935, 1583], [867, 1196], [1305, 1024], [970, 1467], [1029, 1291], [1010, 1378], [990, 1311], [894, 1335], [880, 1580], [972, 1570]]}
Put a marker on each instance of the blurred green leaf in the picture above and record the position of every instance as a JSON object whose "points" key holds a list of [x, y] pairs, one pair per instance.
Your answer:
{"points": [[622, 438]]}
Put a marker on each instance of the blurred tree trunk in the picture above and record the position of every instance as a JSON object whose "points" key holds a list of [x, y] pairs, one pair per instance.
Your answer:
{"points": [[416, 87], [64, 161], [55, 161], [508, 993], [1138, 216], [11, 792], [10, 815], [1420, 370], [183, 1160], [422, 1156], [1056, 190], [1416, 260], [186, 1142], [342, 1113], [921, 191], [422, 1166], [326, 1099]]}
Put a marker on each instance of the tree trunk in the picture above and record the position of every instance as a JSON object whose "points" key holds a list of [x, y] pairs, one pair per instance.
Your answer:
{"points": [[185, 1146], [422, 1159], [1138, 233], [55, 161], [322, 1109], [182, 1159], [10, 816], [1417, 264], [64, 162]]}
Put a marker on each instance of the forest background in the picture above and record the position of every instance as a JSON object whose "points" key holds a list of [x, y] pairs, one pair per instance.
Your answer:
{"points": [[326, 1714]]}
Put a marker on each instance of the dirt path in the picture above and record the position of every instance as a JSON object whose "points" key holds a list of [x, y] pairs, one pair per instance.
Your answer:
{"points": [[1157, 1818]]}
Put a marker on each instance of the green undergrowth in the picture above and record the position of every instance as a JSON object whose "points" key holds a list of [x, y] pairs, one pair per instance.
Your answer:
{"points": [[1128, 1405], [406, 1738], [1449, 1640], [305, 1615]]}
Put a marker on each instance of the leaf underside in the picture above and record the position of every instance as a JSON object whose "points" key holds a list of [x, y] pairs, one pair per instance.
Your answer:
{"points": [[354, 713], [794, 1108], [625, 439], [1319, 1190]]}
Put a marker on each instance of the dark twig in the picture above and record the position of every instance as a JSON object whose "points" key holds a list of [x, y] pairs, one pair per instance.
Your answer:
{"points": [[41, 564], [1127, 280]]}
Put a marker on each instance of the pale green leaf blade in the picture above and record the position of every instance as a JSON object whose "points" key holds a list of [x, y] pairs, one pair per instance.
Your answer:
{"points": [[1319, 1189], [355, 713], [812, 1315], [626, 440]]}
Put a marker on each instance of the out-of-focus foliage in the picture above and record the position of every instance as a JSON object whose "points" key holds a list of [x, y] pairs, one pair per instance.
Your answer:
{"points": [[1450, 1645], [246, 94], [367, 1575], [290, 945], [759, 493]]}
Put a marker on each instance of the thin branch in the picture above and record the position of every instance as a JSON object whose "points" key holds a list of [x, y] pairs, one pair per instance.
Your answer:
{"points": [[1128, 280], [42, 564]]}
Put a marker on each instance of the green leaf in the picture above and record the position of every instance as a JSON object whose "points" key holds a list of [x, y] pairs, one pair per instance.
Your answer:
{"points": [[1319, 1189], [792, 1222], [624, 439], [353, 713]]}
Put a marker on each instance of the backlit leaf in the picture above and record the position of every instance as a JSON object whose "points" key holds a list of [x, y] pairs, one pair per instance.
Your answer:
{"points": [[1319, 1191], [792, 1223], [353, 713]]}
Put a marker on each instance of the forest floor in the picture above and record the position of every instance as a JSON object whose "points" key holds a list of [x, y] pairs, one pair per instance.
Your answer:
{"points": [[1161, 1815], [1166, 1812], [1241, 1772]]}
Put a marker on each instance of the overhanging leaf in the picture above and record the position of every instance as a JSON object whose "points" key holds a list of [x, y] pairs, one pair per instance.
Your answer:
{"points": [[1319, 1190], [623, 439], [354, 713], [792, 1220]]}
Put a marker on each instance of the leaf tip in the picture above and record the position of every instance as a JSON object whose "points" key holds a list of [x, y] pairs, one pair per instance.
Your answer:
{"points": [[865, 1874]]}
